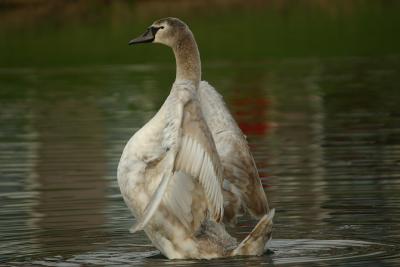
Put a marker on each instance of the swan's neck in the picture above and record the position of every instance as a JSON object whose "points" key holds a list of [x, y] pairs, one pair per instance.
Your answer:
{"points": [[187, 56]]}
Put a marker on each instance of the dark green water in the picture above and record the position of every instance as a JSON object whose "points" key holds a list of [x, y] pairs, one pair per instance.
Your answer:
{"points": [[319, 104]]}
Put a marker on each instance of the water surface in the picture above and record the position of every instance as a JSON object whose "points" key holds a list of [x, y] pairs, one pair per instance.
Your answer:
{"points": [[325, 134]]}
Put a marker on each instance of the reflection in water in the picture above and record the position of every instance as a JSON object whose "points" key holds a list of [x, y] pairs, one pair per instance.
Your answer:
{"points": [[362, 149], [325, 135], [17, 198], [294, 148], [70, 171]]}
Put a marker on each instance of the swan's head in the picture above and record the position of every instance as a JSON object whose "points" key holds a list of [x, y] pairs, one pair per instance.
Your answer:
{"points": [[166, 31]]}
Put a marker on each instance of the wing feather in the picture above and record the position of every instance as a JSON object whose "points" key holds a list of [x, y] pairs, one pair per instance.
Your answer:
{"points": [[152, 206], [237, 161], [179, 197], [194, 160]]}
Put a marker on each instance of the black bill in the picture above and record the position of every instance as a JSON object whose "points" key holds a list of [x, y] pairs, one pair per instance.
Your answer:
{"points": [[146, 37]]}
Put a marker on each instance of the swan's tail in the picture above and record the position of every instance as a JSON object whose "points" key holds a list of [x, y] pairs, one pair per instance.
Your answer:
{"points": [[256, 242]]}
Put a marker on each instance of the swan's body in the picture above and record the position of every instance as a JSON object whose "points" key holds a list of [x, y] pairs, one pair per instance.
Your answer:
{"points": [[180, 171]]}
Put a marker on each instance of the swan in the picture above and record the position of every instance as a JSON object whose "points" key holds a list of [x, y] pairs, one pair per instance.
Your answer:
{"points": [[181, 174]]}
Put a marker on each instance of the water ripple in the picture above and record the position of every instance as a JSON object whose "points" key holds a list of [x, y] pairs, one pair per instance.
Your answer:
{"points": [[328, 154]]}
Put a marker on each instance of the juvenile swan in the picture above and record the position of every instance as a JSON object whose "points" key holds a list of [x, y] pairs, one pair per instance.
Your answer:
{"points": [[180, 171]]}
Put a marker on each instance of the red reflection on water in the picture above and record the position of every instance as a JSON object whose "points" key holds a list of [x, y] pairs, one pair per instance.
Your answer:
{"points": [[254, 128], [251, 114]]}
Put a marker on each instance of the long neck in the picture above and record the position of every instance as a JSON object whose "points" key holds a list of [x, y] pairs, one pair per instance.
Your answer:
{"points": [[187, 56]]}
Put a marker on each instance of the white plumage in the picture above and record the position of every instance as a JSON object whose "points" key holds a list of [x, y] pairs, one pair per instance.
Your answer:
{"points": [[173, 171]]}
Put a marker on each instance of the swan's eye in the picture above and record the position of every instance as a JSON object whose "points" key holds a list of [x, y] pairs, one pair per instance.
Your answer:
{"points": [[162, 27]]}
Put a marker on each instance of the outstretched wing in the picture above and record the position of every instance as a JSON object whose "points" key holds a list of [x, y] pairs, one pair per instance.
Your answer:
{"points": [[236, 159], [192, 164]]}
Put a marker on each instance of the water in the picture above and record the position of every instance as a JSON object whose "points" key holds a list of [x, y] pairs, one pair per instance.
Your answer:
{"points": [[325, 135]]}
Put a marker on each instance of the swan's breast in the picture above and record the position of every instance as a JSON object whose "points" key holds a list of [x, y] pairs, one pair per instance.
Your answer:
{"points": [[139, 167]]}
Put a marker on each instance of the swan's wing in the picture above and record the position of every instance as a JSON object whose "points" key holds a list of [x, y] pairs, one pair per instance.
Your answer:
{"points": [[192, 160], [236, 159]]}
